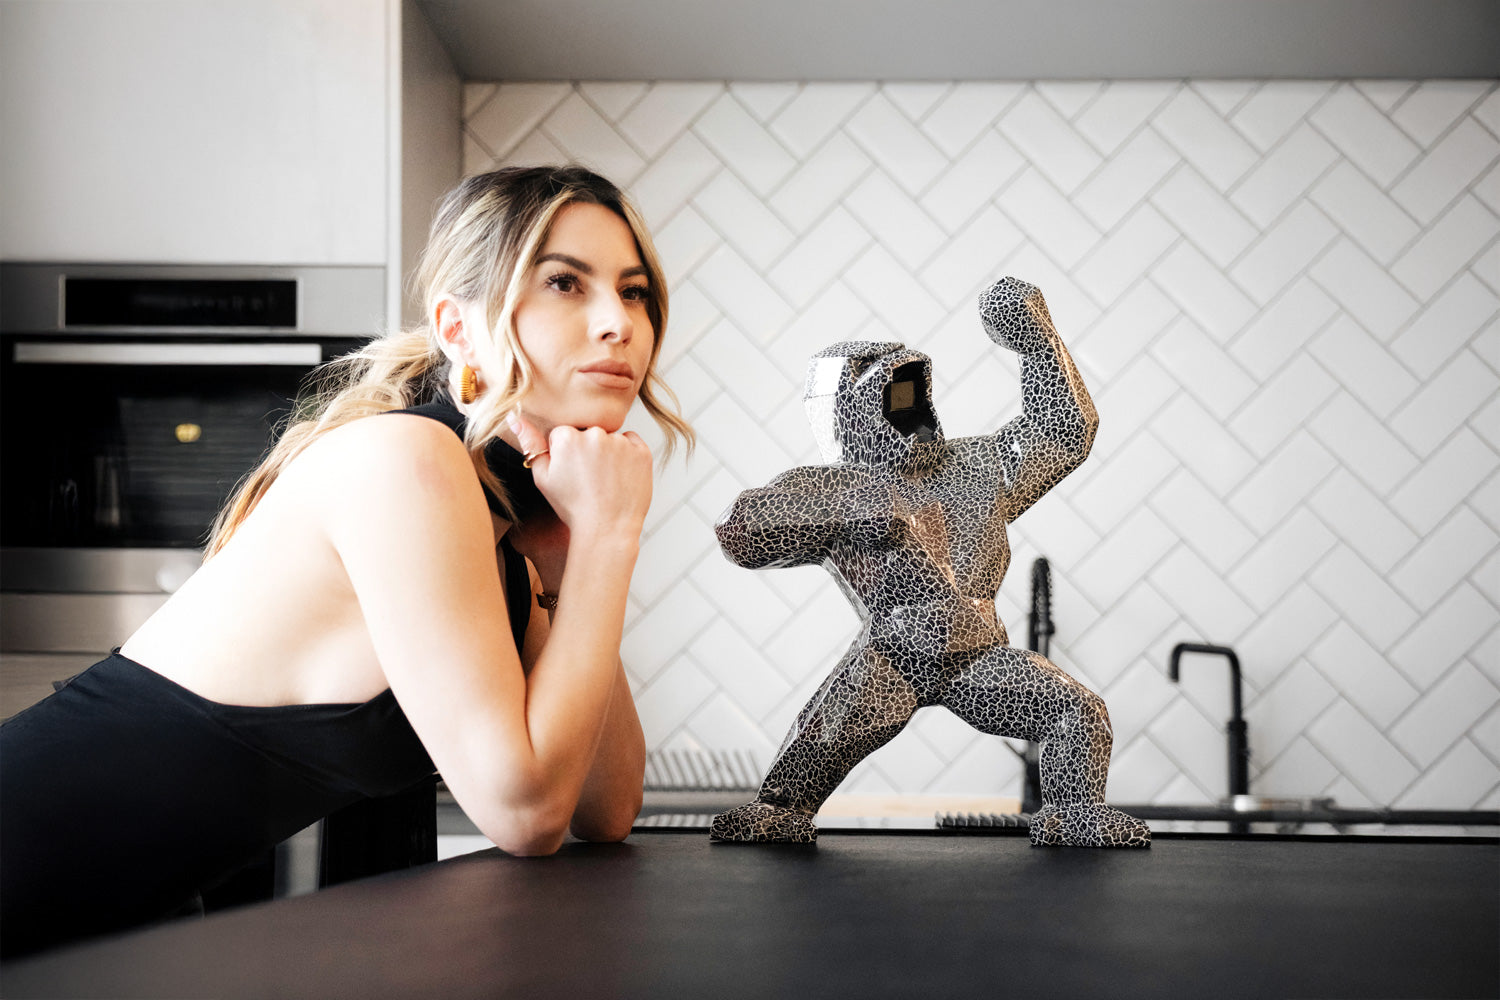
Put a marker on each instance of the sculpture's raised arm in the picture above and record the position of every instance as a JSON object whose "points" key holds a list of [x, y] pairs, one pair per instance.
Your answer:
{"points": [[1055, 430], [794, 520]]}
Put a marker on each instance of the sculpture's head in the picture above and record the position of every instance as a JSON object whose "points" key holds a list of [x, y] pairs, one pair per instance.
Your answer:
{"points": [[870, 403]]}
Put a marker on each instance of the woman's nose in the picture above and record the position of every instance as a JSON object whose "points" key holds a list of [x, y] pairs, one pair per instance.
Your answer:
{"points": [[612, 319]]}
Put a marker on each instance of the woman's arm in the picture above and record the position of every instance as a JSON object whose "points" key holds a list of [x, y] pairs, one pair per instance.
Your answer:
{"points": [[410, 523], [611, 797]]}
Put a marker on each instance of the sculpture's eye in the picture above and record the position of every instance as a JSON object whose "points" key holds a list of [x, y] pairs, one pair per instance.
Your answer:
{"points": [[905, 402]]}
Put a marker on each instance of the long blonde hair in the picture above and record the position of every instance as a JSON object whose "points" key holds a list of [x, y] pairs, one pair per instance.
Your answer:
{"points": [[484, 241]]}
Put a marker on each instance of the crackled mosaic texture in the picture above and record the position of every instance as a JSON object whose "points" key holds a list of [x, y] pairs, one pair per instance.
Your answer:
{"points": [[912, 527]]}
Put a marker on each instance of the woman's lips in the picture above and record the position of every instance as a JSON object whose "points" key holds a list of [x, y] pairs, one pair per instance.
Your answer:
{"points": [[610, 375]]}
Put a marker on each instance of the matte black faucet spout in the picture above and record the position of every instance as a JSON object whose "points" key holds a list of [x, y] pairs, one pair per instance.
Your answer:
{"points": [[1239, 745]]}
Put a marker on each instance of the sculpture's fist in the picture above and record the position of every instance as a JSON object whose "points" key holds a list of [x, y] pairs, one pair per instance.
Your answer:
{"points": [[1015, 316]]}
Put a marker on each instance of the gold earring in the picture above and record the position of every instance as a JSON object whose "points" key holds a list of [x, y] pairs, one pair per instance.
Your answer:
{"points": [[468, 385]]}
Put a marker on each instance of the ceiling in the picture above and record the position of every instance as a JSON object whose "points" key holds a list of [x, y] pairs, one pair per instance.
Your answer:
{"points": [[965, 39]]}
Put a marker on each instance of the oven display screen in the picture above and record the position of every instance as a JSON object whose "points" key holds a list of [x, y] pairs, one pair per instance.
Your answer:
{"points": [[183, 302]]}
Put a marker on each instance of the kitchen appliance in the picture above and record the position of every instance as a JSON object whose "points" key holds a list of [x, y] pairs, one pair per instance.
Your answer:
{"points": [[132, 400]]}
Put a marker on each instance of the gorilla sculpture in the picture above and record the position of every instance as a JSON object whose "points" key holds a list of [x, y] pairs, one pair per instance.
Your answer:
{"points": [[912, 526]]}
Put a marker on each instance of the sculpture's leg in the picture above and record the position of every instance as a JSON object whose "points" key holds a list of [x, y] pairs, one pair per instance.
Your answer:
{"points": [[859, 708], [1021, 694]]}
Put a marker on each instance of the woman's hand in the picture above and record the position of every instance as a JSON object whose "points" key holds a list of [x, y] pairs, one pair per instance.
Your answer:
{"points": [[596, 482]]}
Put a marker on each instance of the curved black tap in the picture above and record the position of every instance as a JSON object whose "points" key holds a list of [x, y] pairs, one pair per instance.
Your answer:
{"points": [[1239, 745]]}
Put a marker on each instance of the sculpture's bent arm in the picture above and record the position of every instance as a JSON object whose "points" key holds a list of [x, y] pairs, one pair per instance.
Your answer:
{"points": [[792, 521], [1056, 428]]}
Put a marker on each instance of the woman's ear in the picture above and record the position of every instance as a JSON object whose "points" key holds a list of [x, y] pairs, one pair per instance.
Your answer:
{"points": [[448, 321]]}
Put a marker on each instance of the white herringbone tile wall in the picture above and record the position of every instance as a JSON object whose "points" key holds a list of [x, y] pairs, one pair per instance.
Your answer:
{"points": [[1283, 296]]}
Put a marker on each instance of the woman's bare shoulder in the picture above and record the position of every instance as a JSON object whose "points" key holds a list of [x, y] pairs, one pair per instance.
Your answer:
{"points": [[393, 460]]}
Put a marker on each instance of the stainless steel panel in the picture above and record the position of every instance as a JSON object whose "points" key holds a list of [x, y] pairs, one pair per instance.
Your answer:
{"points": [[332, 301], [26, 678], [64, 353], [97, 571], [62, 623]]}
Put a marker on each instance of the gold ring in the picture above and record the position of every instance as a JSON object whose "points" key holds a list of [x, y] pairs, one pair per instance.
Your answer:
{"points": [[526, 463]]}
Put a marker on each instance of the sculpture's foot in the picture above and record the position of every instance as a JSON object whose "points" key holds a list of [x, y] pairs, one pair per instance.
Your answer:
{"points": [[763, 823], [1087, 824]]}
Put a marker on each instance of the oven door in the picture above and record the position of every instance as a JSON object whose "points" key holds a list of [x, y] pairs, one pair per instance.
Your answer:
{"points": [[118, 454]]}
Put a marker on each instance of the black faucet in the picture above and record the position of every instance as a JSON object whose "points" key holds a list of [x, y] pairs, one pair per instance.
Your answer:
{"points": [[1239, 746]]}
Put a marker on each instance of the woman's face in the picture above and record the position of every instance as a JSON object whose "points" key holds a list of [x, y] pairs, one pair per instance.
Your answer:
{"points": [[582, 321]]}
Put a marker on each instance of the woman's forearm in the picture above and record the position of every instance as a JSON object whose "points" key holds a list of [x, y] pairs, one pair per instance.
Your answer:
{"points": [[571, 685], [611, 797]]}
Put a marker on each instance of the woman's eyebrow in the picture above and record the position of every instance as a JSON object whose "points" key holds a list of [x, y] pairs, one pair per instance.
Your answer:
{"points": [[576, 264]]}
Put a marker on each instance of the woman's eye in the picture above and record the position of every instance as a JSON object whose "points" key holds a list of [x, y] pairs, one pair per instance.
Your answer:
{"points": [[563, 282], [636, 293]]}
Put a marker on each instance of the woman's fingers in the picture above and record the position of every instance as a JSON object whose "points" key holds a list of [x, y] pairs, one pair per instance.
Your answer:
{"points": [[532, 441], [596, 478]]}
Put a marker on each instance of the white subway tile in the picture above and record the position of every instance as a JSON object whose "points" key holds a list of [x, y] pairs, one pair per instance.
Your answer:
{"points": [[896, 144], [1224, 96], [1362, 752], [1121, 110], [1365, 212], [670, 180], [678, 542], [1203, 292], [670, 696], [1283, 328], [1363, 520], [1214, 225], [818, 257], [744, 369], [1118, 261], [1283, 253], [973, 179], [1363, 366], [1047, 218], [1488, 111], [665, 629], [1448, 475], [764, 98], [1198, 591], [1459, 780], [1195, 744], [1443, 173], [1362, 675], [739, 442], [513, 111], [1203, 368], [893, 294], [965, 266], [1445, 325], [1052, 145], [1120, 336], [1385, 94], [1138, 771], [1123, 557], [1444, 557], [1195, 437], [1282, 405], [1364, 134], [1069, 97], [588, 138], [1447, 246], [816, 113], [683, 244], [719, 724], [743, 144], [894, 219], [1284, 176], [743, 294], [1444, 713], [1299, 772], [1276, 719], [1198, 132], [1435, 105], [1281, 560], [968, 109], [1364, 289], [1282, 635], [1276, 108], [1281, 482], [820, 182], [665, 112], [1444, 402], [1122, 481], [1367, 601], [1128, 177], [743, 219], [915, 99]]}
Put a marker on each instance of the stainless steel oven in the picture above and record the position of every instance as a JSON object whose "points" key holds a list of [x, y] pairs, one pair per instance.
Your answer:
{"points": [[132, 400]]}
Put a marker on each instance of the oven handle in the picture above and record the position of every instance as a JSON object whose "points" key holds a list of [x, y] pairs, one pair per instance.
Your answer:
{"points": [[48, 353]]}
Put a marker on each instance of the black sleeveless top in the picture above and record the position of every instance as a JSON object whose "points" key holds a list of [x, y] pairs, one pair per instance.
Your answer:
{"points": [[124, 794]]}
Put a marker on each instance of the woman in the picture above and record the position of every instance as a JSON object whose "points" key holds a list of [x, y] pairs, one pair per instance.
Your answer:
{"points": [[362, 615]]}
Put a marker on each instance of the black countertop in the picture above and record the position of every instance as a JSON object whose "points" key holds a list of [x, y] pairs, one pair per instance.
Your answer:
{"points": [[887, 914]]}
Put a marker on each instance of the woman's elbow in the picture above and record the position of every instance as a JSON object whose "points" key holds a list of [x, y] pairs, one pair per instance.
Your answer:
{"points": [[530, 832], [608, 826]]}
